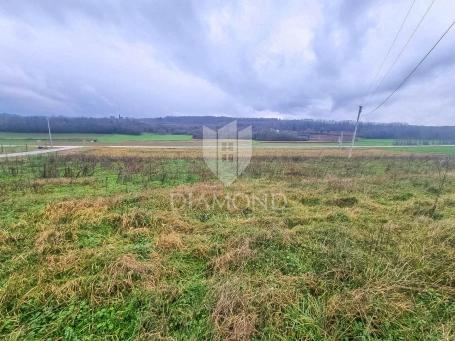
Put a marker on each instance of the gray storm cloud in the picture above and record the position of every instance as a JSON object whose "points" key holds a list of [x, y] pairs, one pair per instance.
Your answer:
{"points": [[291, 59]]}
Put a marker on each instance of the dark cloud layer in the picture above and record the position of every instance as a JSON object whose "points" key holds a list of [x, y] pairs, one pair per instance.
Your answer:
{"points": [[292, 59]]}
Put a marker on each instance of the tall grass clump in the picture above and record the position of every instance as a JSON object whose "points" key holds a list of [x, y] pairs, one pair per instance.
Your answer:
{"points": [[94, 246]]}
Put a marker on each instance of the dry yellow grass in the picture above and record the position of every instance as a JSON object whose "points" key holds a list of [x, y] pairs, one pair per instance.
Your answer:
{"points": [[233, 316], [171, 153], [51, 239], [128, 266], [350, 253], [258, 152], [237, 254], [85, 210], [63, 181], [169, 241], [371, 303]]}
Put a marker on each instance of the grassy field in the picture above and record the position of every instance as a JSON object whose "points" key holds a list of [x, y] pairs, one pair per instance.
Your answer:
{"points": [[36, 138], [305, 245], [373, 143], [360, 142], [29, 141], [443, 150], [6, 149]]}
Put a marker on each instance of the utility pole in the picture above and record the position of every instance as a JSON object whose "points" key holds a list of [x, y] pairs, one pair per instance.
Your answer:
{"points": [[50, 135], [355, 131], [340, 140]]}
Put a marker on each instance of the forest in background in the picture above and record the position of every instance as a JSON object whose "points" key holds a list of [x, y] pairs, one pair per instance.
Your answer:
{"points": [[267, 129]]}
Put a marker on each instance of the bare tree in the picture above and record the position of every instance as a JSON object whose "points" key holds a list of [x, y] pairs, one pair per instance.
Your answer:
{"points": [[443, 169]]}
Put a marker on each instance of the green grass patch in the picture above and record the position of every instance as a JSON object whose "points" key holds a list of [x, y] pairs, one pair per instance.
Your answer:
{"points": [[95, 247], [42, 138]]}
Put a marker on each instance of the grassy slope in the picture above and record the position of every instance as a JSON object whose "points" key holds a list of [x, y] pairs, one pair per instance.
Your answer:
{"points": [[20, 138], [353, 253], [445, 150]]}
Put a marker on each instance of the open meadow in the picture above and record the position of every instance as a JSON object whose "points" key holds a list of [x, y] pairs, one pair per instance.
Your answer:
{"points": [[11, 142], [126, 244], [11, 138]]}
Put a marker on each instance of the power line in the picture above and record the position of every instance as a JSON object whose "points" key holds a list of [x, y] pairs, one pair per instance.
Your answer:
{"points": [[405, 45], [49, 128], [413, 70], [355, 132], [389, 50], [379, 72]]}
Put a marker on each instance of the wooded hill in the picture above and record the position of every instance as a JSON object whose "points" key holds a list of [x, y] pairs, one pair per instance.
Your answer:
{"points": [[263, 128]]}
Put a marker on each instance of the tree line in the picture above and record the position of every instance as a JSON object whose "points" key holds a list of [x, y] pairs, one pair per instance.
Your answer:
{"points": [[263, 128]]}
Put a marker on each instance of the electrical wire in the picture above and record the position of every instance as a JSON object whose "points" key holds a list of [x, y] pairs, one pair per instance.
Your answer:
{"points": [[389, 50], [405, 46], [414, 69]]}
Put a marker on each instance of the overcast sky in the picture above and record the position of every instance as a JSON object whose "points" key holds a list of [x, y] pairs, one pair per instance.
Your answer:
{"points": [[290, 59]]}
